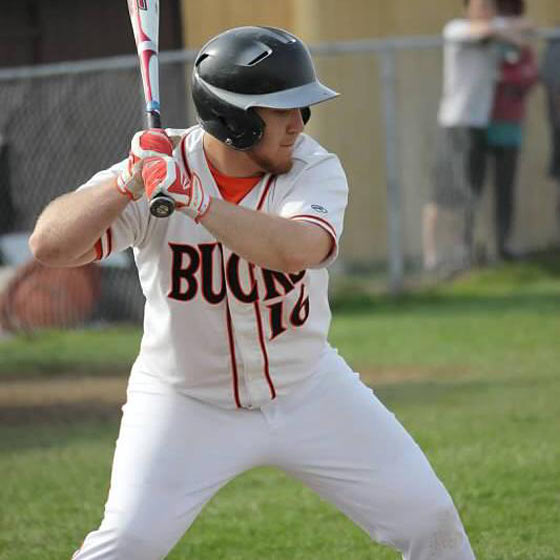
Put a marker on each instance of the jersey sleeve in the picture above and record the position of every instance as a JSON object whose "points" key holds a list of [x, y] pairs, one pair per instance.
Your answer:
{"points": [[129, 228], [318, 196]]}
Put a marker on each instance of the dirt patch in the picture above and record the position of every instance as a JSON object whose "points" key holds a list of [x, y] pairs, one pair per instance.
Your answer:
{"points": [[61, 399], [67, 399], [388, 375], [35, 392]]}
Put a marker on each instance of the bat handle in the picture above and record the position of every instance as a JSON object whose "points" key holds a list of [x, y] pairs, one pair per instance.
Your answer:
{"points": [[153, 118], [161, 206]]}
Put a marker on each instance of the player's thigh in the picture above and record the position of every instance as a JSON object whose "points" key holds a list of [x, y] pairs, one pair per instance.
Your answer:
{"points": [[349, 448], [173, 453]]}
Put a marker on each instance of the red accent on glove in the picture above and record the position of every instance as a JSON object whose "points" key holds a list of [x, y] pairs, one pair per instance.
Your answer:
{"points": [[163, 175], [155, 140]]}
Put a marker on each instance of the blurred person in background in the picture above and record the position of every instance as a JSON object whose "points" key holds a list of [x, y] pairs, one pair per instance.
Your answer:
{"points": [[517, 74], [471, 57], [550, 75]]}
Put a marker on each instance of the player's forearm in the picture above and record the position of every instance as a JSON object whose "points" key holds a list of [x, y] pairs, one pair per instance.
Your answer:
{"points": [[268, 241], [69, 227]]}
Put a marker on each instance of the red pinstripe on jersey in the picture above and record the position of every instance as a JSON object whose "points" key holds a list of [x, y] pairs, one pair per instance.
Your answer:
{"points": [[184, 154], [265, 192], [316, 220], [321, 223], [234, 373], [262, 339]]}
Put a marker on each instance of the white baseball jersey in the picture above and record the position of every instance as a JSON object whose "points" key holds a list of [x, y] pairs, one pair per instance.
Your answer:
{"points": [[216, 327], [222, 330]]}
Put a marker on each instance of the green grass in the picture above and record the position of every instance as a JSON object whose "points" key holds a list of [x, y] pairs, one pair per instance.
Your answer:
{"points": [[472, 369], [90, 351]]}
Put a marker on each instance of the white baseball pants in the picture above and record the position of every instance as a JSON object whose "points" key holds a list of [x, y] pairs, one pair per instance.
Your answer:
{"points": [[174, 453]]}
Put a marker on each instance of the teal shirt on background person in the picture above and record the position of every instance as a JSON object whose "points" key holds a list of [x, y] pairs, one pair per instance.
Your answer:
{"points": [[504, 134]]}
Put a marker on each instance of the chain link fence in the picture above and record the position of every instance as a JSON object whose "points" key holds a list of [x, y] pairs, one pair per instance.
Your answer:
{"points": [[61, 123]]}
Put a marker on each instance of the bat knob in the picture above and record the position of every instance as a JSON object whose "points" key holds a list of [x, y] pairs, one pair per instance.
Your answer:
{"points": [[162, 206]]}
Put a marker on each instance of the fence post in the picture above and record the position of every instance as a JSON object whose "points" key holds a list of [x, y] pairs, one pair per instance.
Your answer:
{"points": [[394, 210]]}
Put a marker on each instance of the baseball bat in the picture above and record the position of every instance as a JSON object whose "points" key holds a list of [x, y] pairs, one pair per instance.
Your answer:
{"points": [[144, 18]]}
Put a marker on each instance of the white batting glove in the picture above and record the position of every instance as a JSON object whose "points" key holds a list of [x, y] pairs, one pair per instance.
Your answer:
{"points": [[144, 144], [162, 175], [129, 182], [150, 143]]}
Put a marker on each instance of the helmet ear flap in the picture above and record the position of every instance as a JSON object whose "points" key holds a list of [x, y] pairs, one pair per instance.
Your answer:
{"points": [[246, 128], [233, 126], [305, 114]]}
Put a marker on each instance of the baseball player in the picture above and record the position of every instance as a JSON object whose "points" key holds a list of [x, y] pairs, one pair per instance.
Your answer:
{"points": [[234, 369]]}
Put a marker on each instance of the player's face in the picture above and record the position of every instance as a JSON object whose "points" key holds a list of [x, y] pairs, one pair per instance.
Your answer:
{"points": [[273, 153]]}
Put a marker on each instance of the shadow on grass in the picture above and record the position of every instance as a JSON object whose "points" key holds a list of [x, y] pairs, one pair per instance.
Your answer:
{"points": [[446, 304], [31, 367], [533, 284], [57, 434], [58, 414]]}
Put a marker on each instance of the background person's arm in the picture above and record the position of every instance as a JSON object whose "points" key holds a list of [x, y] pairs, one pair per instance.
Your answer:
{"points": [[517, 31], [511, 30]]}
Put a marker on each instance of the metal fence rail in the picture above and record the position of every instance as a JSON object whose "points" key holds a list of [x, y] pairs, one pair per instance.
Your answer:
{"points": [[62, 122]]}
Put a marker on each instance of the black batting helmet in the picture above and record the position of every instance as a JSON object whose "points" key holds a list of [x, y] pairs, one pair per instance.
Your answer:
{"points": [[249, 67]]}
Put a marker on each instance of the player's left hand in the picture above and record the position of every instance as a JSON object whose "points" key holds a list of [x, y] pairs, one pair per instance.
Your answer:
{"points": [[149, 143], [162, 175], [144, 144]]}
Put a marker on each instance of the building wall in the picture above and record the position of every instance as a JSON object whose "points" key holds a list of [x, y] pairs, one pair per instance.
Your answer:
{"points": [[332, 20], [352, 126]]}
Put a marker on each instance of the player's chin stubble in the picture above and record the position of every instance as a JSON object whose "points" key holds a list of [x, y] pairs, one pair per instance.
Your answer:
{"points": [[268, 165]]}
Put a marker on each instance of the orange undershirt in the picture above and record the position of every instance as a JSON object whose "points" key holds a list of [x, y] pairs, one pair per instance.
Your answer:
{"points": [[233, 189]]}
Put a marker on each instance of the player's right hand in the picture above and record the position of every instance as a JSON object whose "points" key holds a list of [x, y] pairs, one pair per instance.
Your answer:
{"points": [[145, 143], [163, 176], [129, 182]]}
